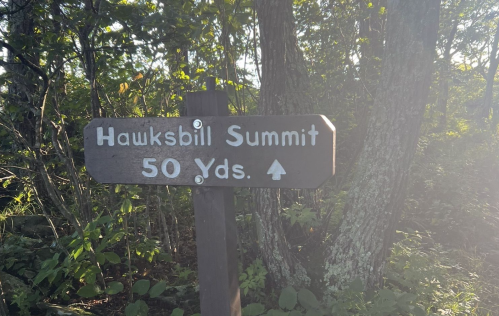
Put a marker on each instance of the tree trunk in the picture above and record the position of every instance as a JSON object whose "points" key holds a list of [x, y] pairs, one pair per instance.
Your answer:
{"points": [[371, 30], [377, 192], [443, 85], [21, 35], [489, 93], [86, 35], [284, 90], [3, 307]]}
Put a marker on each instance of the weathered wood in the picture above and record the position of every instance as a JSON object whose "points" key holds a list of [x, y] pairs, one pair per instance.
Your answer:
{"points": [[216, 236], [233, 151]]}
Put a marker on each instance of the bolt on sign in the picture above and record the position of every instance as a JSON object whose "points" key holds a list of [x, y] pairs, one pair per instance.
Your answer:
{"points": [[240, 151]]}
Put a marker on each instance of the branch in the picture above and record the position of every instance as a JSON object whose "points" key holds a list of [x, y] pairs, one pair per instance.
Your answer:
{"points": [[7, 12], [26, 62]]}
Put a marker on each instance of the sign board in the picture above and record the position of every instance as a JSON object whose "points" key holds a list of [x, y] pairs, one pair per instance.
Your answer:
{"points": [[238, 151]]}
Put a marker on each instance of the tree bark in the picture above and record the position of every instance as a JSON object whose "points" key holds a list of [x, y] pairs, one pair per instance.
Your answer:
{"points": [[284, 90], [371, 30], [491, 73], [3, 307], [86, 35], [377, 192], [443, 85]]}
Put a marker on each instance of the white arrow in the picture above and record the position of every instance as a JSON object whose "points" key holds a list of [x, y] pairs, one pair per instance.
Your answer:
{"points": [[276, 170]]}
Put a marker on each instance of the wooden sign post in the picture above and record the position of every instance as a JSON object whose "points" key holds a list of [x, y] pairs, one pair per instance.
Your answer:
{"points": [[213, 152], [281, 151], [216, 237]]}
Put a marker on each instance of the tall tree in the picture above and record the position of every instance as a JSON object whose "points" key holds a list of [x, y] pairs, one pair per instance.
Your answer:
{"points": [[490, 78], [443, 85], [377, 193], [284, 90]]}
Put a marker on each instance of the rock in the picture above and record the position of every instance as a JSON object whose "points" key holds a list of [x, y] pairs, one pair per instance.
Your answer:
{"points": [[30, 225], [11, 285], [58, 310]]}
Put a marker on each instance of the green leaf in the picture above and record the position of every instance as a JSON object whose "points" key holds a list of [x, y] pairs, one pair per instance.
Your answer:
{"points": [[139, 308], [101, 259], [177, 312], [276, 312], [87, 245], [41, 276], [90, 274], [132, 309], [78, 252], [116, 237], [157, 289], [143, 308], [253, 309], [114, 287], [95, 234], [141, 287], [89, 290], [418, 311], [104, 220], [287, 299], [295, 313], [407, 298], [307, 299], [126, 206], [112, 257], [53, 275], [387, 295], [313, 312]]}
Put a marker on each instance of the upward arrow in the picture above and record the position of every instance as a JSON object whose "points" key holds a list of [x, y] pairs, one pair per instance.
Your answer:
{"points": [[276, 170]]}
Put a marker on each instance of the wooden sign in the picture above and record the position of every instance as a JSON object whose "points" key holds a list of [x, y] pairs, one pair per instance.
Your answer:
{"points": [[241, 151]]}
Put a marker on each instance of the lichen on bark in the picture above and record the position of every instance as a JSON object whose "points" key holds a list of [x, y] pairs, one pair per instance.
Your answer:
{"points": [[377, 192]]}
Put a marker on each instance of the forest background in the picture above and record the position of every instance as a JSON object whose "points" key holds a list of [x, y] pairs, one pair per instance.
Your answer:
{"points": [[407, 226]]}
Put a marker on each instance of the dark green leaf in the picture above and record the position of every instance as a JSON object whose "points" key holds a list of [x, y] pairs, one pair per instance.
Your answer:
{"points": [[253, 309], [157, 289], [387, 295], [177, 312], [114, 287], [287, 299], [141, 287], [132, 309], [112, 257], [307, 299], [276, 312], [101, 259], [418, 311], [313, 312], [89, 290]]}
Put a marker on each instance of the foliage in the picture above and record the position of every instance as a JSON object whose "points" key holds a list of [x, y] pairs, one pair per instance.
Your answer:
{"points": [[140, 58], [143, 287], [433, 275], [301, 215], [352, 301], [252, 280]]}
